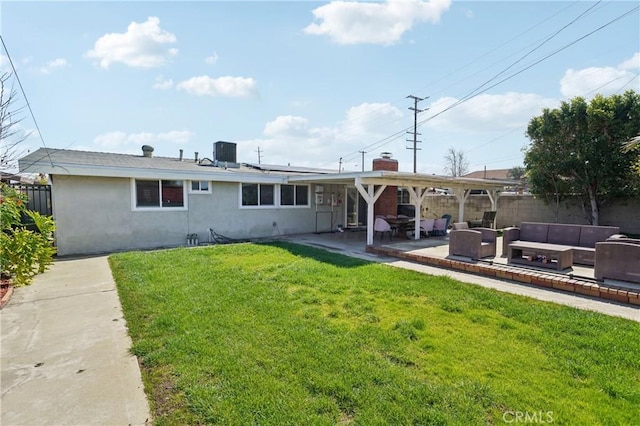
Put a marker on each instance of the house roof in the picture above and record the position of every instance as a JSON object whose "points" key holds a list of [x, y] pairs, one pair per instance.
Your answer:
{"points": [[502, 174], [84, 163], [17, 178]]}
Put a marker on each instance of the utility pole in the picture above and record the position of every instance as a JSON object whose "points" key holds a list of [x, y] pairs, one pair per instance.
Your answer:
{"points": [[259, 156], [363, 153], [340, 166], [415, 133]]}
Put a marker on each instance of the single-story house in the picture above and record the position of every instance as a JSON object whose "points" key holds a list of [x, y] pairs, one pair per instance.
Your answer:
{"points": [[105, 202]]}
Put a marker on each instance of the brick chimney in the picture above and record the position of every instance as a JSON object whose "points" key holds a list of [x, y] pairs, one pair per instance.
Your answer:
{"points": [[388, 202]]}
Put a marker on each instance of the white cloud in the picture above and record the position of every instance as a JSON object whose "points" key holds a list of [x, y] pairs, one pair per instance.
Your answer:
{"points": [[163, 83], [212, 59], [349, 22], [594, 80], [633, 63], [287, 126], [367, 119], [487, 113], [143, 45], [236, 87], [291, 138], [588, 82], [131, 142], [56, 64]]}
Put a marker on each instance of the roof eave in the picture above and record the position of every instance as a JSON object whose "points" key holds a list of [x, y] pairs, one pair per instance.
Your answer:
{"points": [[147, 173]]}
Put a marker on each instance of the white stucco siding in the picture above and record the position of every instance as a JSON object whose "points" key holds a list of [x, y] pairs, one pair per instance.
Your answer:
{"points": [[221, 211], [95, 215]]}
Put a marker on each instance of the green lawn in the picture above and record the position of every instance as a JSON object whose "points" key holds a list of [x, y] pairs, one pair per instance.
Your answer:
{"points": [[288, 334]]}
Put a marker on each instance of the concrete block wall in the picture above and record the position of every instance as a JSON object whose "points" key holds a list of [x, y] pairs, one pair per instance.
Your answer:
{"points": [[515, 208]]}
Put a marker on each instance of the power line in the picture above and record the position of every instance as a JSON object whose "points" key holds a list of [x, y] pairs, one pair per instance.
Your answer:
{"points": [[473, 93], [486, 54], [535, 48], [33, 117]]}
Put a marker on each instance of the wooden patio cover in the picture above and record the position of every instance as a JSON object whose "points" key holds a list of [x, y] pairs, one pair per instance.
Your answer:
{"points": [[371, 184]]}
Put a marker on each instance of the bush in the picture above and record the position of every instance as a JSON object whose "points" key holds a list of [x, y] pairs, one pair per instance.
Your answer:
{"points": [[24, 252]]}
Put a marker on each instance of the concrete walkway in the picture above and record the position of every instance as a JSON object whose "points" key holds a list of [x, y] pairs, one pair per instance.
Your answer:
{"points": [[65, 351]]}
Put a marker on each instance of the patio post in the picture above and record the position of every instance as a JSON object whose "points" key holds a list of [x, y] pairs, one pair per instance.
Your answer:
{"points": [[370, 196], [417, 196], [461, 195]]}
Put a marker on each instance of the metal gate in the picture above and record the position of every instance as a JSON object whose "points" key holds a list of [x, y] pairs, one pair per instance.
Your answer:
{"points": [[38, 196]]}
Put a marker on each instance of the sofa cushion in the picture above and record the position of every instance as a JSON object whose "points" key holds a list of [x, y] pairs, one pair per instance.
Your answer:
{"points": [[568, 235], [590, 235], [536, 232]]}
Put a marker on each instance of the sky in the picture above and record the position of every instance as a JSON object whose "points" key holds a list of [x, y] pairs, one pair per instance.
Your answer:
{"points": [[313, 84]]}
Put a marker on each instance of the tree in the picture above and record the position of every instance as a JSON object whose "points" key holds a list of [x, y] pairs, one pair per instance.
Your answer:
{"points": [[11, 135], [26, 248], [516, 173], [630, 146], [456, 164], [576, 149], [26, 237]]}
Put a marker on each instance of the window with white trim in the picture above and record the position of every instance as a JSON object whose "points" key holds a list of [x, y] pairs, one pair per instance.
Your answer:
{"points": [[403, 196], [200, 187], [158, 194], [294, 195], [258, 194]]}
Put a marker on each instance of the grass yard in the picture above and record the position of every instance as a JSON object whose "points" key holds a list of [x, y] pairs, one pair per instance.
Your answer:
{"points": [[287, 334]]}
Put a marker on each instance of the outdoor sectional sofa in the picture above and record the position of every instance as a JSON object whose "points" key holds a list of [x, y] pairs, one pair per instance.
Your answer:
{"points": [[618, 258], [581, 238]]}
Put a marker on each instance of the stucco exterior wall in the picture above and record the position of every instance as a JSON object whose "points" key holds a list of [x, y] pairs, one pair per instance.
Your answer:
{"points": [[514, 209], [95, 215]]}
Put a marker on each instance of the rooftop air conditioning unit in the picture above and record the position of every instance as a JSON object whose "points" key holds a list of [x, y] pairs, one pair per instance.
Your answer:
{"points": [[224, 152]]}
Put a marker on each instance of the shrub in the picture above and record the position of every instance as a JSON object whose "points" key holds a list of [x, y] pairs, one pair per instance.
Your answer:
{"points": [[24, 252]]}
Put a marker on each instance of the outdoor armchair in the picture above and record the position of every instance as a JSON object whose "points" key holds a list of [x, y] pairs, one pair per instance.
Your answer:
{"points": [[486, 222], [618, 259], [474, 243], [382, 226], [426, 226], [441, 225]]}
